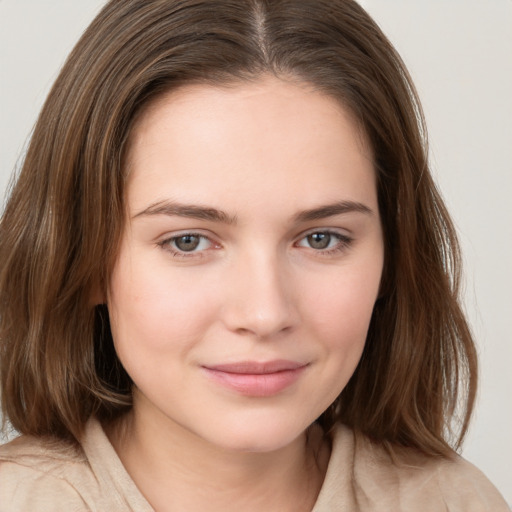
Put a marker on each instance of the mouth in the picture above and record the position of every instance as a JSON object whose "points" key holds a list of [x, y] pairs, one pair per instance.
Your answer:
{"points": [[256, 379]]}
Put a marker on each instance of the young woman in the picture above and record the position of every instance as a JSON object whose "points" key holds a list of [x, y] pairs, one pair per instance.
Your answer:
{"points": [[228, 280]]}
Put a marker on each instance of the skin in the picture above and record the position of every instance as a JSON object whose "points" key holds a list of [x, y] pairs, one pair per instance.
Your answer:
{"points": [[254, 289]]}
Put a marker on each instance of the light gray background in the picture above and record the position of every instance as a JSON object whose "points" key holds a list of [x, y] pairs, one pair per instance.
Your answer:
{"points": [[459, 53]]}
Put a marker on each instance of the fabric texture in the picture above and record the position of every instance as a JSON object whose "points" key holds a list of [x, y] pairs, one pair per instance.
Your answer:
{"points": [[41, 475]]}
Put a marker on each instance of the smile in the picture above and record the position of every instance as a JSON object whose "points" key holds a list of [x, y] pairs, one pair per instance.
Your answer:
{"points": [[256, 379]]}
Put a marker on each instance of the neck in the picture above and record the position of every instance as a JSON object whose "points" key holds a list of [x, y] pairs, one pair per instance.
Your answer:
{"points": [[171, 465]]}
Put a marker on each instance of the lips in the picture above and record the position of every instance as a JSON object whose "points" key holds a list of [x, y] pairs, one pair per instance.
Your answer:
{"points": [[257, 379]]}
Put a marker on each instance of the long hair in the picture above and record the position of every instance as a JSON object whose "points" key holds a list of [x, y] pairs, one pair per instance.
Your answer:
{"points": [[61, 228]]}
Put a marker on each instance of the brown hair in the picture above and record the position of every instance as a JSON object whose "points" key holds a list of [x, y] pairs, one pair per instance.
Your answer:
{"points": [[61, 227]]}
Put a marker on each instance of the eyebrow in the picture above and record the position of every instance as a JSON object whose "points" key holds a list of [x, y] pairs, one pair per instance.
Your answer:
{"points": [[187, 210], [215, 215], [330, 210]]}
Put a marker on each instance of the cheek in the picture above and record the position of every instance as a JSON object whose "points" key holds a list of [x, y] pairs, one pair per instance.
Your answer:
{"points": [[336, 316], [342, 311], [153, 311]]}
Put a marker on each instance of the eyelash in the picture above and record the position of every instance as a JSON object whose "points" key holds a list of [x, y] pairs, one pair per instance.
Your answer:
{"points": [[344, 242]]}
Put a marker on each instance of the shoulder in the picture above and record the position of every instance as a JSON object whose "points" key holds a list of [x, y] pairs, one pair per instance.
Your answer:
{"points": [[49, 475], [407, 480], [34, 471], [462, 483]]}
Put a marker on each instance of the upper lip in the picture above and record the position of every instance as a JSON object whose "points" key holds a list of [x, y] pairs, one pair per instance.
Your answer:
{"points": [[256, 367]]}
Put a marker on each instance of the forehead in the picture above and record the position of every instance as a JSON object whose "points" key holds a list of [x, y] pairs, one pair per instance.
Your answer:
{"points": [[280, 97], [267, 135]]}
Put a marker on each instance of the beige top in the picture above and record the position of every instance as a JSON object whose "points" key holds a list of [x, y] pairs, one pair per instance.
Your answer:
{"points": [[42, 476]]}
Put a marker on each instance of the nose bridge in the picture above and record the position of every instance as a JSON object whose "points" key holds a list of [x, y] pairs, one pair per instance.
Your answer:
{"points": [[261, 297]]}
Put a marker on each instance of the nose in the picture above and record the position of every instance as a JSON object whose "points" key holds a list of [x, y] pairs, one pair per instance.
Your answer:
{"points": [[260, 298]]}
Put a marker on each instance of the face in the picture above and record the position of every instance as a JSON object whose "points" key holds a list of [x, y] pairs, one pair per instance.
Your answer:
{"points": [[250, 261]]}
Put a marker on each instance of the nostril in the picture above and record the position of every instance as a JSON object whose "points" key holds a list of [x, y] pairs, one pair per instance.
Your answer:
{"points": [[269, 319], [261, 333]]}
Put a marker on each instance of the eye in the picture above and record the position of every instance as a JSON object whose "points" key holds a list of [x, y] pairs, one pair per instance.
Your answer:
{"points": [[325, 241], [186, 244]]}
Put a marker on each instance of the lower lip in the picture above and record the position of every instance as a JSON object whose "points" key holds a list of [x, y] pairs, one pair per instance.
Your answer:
{"points": [[257, 385]]}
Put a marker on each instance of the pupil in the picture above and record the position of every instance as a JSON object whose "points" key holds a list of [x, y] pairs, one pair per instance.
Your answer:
{"points": [[319, 240], [187, 242]]}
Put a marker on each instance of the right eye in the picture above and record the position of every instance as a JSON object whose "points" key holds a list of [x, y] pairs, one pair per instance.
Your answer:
{"points": [[186, 244]]}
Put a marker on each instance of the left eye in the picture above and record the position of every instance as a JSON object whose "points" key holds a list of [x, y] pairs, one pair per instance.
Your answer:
{"points": [[322, 240], [189, 242]]}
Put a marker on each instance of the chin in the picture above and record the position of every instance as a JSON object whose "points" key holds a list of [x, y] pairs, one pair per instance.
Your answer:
{"points": [[254, 435]]}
